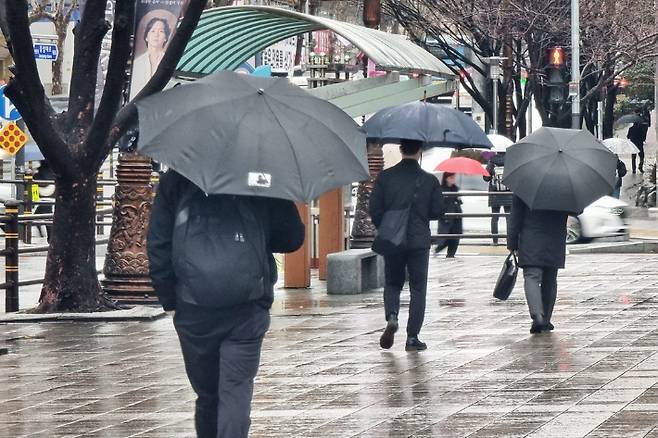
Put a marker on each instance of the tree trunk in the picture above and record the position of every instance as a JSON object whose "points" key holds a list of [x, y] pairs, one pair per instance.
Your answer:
{"points": [[71, 282], [609, 112], [60, 31]]}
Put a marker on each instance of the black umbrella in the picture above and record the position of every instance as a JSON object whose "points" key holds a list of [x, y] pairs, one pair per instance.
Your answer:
{"points": [[559, 169], [632, 118], [435, 125], [245, 135]]}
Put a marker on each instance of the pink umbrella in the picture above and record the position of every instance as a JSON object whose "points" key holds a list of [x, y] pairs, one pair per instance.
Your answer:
{"points": [[463, 165]]}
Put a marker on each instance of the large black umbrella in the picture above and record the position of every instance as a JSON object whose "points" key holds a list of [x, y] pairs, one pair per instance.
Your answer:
{"points": [[559, 169], [435, 125], [632, 118], [244, 135]]}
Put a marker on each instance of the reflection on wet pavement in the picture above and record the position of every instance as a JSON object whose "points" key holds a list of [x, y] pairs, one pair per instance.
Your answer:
{"points": [[323, 374]]}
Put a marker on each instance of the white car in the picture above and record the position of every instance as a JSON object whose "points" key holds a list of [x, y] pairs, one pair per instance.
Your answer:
{"points": [[605, 217]]}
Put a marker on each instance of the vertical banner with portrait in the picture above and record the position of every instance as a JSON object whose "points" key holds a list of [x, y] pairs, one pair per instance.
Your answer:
{"points": [[155, 24]]}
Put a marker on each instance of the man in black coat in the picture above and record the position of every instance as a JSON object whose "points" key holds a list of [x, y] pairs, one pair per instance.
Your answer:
{"points": [[221, 346], [395, 189], [539, 238], [637, 134]]}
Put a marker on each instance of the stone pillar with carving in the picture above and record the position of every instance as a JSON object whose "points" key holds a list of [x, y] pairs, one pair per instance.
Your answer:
{"points": [[126, 267], [363, 230]]}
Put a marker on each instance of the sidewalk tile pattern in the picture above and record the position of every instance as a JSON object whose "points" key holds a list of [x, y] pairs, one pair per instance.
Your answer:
{"points": [[324, 375]]}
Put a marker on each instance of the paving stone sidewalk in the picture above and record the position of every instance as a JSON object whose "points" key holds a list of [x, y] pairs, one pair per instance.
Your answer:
{"points": [[323, 374]]}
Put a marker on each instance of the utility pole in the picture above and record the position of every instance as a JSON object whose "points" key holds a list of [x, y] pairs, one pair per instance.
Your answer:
{"points": [[575, 64], [363, 230], [494, 73]]}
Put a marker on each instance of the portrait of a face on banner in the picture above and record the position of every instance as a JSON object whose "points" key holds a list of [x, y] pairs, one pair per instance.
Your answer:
{"points": [[156, 22]]}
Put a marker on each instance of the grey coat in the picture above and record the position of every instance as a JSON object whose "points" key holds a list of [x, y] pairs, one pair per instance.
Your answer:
{"points": [[539, 236]]}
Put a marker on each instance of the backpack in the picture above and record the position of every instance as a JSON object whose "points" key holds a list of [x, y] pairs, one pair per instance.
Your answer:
{"points": [[218, 250]]}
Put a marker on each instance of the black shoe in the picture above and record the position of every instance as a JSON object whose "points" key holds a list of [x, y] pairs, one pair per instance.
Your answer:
{"points": [[450, 256], [640, 169], [549, 327], [414, 344], [387, 338], [536, 328]]}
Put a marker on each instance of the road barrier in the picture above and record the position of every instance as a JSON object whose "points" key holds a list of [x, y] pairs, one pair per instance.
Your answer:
{"points": [[436, 237]]}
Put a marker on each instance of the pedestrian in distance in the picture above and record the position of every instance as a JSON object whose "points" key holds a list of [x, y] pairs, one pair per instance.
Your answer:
{"points": [[495, 167], [406, 185], [637, 134], [450, 225], [44, 173], [211, 265], [539, 239], [621, 172]]}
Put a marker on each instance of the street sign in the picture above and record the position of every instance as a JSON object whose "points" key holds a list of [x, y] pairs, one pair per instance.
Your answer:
{"points": [[7, 109], [573, 88], [12, 139], [46, 51]]}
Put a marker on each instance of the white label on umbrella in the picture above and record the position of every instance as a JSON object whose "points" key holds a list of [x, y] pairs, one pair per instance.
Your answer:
{"points": [[259, 179]]}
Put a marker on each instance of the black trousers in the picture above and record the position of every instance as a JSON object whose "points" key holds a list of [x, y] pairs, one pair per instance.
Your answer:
{"points": [[416, 262], [633, 158], [540, 291], [44, 209], [494, 219], [451, 244], [221, 351]]}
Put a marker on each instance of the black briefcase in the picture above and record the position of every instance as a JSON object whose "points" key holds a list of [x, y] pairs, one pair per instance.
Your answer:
{"points": [[507, 278]]}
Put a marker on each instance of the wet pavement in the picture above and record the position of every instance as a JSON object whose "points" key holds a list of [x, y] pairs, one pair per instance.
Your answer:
{"points": [[324, 375]]}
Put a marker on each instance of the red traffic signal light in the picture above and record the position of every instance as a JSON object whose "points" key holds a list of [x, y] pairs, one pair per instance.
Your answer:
{"points": [[556, 57]]}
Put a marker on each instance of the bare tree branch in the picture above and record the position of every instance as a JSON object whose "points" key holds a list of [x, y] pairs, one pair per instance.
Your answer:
{"points": [[89, 35], [25, 89], [115, 79]]}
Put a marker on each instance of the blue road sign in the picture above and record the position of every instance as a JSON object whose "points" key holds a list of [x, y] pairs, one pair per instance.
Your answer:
{"points": [[46, 51], [7, 109]]}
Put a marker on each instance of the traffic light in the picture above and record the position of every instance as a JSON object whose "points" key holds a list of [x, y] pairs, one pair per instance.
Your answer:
{"points": [[556, 57], [557, 82]]}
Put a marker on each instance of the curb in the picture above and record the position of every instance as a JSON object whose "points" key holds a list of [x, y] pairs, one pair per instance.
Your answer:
{"points": [[632, 247], [136, 313]]}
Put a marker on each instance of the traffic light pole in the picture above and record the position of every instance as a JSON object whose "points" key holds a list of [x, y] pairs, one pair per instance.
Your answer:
{"points": [[575, 63]]}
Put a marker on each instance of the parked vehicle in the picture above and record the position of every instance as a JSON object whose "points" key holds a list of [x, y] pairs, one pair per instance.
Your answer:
{"points": [[605, 217]]}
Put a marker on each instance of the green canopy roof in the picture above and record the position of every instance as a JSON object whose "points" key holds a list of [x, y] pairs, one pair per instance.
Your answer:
{"points": [[226, 37]]}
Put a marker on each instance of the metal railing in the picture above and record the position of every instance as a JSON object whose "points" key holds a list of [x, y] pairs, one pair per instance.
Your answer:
{"points": [[24, 188], [12, 221], [473, 193]]}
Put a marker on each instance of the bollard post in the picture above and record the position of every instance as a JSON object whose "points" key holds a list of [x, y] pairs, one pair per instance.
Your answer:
{"points": [[20, 195], [28, 182], [11, 256], [155, 179], [100, 228]]}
